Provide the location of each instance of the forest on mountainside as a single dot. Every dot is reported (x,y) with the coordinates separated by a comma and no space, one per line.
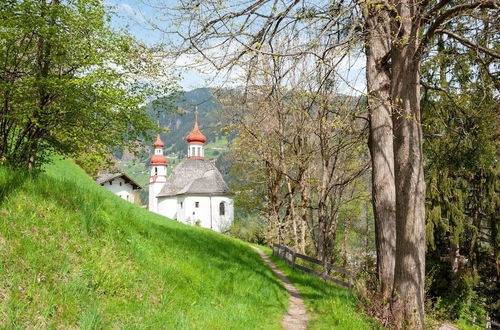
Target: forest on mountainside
(180,121)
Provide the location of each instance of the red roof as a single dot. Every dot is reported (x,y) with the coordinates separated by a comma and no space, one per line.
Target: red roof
(158,143)
(196,135)
(159,160)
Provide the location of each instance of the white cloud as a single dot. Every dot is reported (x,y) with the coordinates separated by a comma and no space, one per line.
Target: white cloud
(130,11)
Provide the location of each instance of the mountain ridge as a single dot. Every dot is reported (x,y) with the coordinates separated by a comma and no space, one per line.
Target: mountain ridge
(180,122)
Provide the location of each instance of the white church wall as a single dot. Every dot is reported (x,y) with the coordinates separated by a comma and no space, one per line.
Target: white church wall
(167,206)
(207,212)
(120,188)
(181,209)
(222,222)
(197,210)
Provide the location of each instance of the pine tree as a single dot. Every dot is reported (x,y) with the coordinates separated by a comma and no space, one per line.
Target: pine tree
(461,148)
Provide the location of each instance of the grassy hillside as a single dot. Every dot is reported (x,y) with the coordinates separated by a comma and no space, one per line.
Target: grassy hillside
(74,255)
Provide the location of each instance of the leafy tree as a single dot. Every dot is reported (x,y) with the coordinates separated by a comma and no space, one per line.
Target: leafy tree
(460,123)
(70,84)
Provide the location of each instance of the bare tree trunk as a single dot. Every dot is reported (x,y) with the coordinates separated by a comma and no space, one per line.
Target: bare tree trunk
(305,196)
(321,249)
(367,231)
(322,216)
(347,224)
(409,176)
(291,206)
(274,232)
(381,146)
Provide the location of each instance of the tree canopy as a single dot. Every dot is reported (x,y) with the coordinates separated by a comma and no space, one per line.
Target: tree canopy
(71,84)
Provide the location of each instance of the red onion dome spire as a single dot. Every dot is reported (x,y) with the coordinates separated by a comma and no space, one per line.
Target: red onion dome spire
(196,136)
(158,158)
(158,143)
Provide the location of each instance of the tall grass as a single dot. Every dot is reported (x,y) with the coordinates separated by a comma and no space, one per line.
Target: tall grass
(74,255)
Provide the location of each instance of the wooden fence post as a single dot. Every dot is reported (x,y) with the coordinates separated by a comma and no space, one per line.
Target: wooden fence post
(325,269)
(290,257)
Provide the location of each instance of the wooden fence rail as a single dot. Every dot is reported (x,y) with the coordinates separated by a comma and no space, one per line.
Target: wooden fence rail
(291,256)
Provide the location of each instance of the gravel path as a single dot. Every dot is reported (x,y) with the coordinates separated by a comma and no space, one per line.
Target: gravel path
(296,317)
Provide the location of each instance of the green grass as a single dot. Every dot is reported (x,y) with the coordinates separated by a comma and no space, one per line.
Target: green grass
(73,255)
(329,306)
(220,142)
(139,172)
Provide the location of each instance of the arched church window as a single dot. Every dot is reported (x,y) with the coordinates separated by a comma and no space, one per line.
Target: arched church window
(222,208)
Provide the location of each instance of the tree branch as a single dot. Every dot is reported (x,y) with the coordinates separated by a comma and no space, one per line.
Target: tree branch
(437,8)
(492,4)
(469,43)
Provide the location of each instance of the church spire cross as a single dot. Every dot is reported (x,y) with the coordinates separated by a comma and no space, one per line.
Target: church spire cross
(196,121)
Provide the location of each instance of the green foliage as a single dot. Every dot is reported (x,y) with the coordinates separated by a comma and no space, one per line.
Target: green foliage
(73,255)
(461,148)
(69,83)
(249,228)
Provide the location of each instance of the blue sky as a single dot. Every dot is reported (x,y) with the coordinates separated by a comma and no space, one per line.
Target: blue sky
(133,15)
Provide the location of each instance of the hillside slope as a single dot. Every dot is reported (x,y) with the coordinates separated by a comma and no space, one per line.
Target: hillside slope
(74,255)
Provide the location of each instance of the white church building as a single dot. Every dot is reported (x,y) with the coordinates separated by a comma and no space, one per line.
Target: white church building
(195,192)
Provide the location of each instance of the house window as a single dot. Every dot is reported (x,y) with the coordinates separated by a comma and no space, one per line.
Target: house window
(120,184)
(181,205)
(222,208)
(111,182)
(156,170)
(196,204)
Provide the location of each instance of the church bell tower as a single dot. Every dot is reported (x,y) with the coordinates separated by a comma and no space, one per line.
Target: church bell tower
(158,174)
